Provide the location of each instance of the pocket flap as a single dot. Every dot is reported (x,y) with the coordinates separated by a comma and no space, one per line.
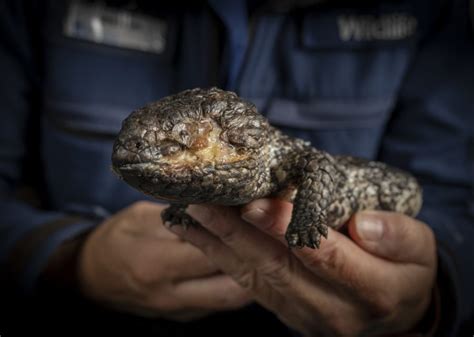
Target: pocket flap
(334,29)
(329,114)
(87,117)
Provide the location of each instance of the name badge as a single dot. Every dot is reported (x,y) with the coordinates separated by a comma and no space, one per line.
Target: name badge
(355,29)
(385,27)
(115,27)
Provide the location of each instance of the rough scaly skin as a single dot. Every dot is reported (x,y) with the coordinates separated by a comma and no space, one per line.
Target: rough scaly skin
(210,146)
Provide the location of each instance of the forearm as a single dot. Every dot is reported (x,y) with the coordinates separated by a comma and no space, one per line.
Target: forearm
(61,270)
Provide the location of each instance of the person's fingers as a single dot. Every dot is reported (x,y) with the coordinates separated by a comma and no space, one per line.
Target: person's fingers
(256,261)
(340,276)
(362,276)
(218,292)
(144,221)
(247,243)
(183,260)
(338,259)
(271,216)
(215,250)
(175,260)
(393,236)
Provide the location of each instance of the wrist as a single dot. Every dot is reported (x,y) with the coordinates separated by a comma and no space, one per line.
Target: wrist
(61,271)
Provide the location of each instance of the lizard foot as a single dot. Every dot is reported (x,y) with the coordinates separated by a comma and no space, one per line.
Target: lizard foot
(299,234)
(176,215)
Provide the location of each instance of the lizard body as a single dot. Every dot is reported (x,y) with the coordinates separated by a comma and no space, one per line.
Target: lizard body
(210,146)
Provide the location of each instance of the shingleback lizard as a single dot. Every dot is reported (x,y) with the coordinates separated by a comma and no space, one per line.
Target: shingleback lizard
(210,146)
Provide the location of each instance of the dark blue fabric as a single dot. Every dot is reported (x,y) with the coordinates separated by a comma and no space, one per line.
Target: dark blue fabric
(432,134)
(405,101)
(234,15)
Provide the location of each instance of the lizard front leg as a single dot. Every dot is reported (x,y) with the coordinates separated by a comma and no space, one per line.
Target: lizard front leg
(317,182)
(176,214)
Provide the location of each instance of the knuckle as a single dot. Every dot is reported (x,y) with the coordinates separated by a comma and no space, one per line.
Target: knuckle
(140,206)
(327,257)
(382,305)
(274,272)
(246,279)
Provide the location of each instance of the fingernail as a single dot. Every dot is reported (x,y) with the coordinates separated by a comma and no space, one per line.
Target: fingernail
(258,217)
(369,227)
(177,229)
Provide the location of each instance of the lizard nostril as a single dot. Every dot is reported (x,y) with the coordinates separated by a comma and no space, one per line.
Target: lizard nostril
(138,145)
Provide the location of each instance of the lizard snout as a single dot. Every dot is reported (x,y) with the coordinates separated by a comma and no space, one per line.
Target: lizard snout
(133,150)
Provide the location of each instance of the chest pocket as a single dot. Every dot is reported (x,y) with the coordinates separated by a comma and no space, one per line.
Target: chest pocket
(92,87)
(88,89)
(340,71)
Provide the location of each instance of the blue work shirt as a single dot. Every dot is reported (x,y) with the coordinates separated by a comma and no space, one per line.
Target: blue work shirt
(385,80)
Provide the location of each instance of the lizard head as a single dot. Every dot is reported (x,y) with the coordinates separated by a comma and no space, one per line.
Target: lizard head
(183,145)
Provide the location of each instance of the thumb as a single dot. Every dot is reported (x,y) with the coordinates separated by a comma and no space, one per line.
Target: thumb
(393,236)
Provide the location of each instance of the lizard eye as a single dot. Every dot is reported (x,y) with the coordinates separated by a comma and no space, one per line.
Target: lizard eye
(249,138)
(184,133)
(135,145)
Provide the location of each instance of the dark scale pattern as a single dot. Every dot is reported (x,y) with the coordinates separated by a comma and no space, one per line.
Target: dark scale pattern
(168,150)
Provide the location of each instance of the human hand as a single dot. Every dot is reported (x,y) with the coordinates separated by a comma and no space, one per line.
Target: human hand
(379,283)
(132,263)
